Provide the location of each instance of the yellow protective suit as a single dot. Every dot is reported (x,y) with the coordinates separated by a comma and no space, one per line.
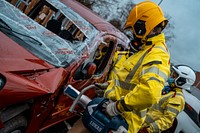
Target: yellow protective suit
(118,60)
(139,81)
(161,116)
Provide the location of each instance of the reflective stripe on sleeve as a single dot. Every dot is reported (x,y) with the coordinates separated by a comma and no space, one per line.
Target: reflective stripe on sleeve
(155,127)
(149,119)
(141,113)
(158,107)
(125,85)
(155,70)
(122,84)
(173,110)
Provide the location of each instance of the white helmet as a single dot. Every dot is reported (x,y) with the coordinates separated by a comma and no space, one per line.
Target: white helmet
(185,76)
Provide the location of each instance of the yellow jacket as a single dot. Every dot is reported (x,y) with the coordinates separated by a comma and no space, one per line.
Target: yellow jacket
(118,60)
(161,116)
(139,81)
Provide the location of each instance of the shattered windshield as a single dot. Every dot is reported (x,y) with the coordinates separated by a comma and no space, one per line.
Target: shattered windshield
(81,23)
(38,40)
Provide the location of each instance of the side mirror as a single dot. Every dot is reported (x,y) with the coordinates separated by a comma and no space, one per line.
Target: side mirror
(85,71)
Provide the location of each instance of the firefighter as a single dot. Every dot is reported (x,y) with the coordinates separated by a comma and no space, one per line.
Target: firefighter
(138,82)
(160,116)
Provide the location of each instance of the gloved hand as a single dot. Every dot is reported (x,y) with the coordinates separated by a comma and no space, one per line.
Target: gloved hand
(111,109)
(99,92)
(143,130)
(101,88)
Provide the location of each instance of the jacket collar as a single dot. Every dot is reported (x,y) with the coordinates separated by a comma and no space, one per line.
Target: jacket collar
(154,40)
(158,38)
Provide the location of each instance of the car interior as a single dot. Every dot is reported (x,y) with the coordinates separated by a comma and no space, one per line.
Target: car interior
(97,64)
(50,17)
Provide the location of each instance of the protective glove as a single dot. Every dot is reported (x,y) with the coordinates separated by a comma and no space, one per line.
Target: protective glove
(111,109)
(99,92)
(100,88)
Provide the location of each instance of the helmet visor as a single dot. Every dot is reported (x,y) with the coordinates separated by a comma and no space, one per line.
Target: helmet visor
(139,28)
(180,81)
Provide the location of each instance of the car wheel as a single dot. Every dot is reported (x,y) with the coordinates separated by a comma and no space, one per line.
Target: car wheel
(15,125)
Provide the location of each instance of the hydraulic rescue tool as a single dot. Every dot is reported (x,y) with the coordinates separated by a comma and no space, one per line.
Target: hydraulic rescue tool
(94,117)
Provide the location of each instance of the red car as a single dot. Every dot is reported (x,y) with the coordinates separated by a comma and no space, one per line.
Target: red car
(46,45)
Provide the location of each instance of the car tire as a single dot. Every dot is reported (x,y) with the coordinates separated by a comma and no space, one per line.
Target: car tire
(15,125)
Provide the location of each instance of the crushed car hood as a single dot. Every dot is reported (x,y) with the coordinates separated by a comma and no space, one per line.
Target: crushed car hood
(15,58)
(26,75)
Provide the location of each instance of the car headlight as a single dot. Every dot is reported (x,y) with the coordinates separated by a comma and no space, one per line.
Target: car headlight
(2,81)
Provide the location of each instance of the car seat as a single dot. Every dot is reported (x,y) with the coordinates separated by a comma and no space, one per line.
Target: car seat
(65,34)
(54,26)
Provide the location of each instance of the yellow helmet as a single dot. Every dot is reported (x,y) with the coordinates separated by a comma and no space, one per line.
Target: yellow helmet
(144,17)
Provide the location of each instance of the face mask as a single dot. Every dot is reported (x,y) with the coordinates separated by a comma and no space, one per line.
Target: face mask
(135,44)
